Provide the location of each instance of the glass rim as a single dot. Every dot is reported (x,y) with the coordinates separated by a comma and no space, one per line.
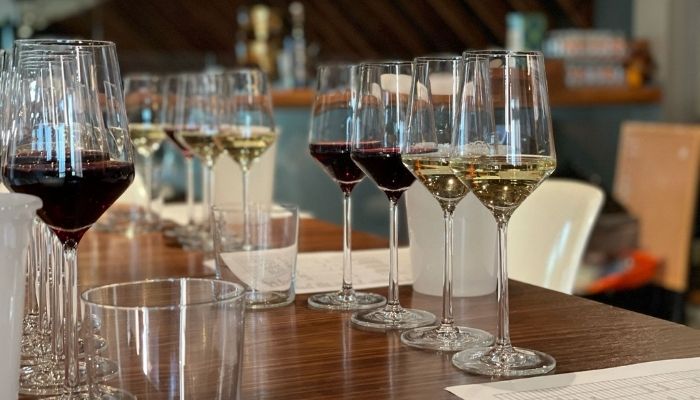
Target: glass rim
(234,206)
(235,295)
(386,63)
(511,53)
(438,58)
(65,42)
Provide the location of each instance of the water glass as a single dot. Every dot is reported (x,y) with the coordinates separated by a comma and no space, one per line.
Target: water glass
(259,251)
(164,339)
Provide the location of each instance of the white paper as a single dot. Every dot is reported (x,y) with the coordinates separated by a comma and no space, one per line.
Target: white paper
(263,270)
(177,212)
(323,271)
(677,379)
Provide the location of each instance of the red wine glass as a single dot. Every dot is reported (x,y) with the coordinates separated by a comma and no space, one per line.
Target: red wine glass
(330,136)
(378,123)
(70,147)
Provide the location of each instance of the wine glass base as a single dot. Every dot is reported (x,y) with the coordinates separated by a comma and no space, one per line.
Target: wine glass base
(344,301)
(261,300)
(446,338)
(45,379)
(392,317)
(504,361)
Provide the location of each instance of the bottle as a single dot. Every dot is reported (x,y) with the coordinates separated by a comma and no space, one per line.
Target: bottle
(296,10)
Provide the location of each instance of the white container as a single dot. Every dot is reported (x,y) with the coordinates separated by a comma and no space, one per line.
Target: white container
(17,211)
(474,250)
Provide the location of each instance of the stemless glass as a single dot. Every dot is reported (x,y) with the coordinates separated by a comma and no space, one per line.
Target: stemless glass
(425,151)
(197,121)
(247,127)
(503,161)
(70,147)
(378,123)
(144,102)
(329,144)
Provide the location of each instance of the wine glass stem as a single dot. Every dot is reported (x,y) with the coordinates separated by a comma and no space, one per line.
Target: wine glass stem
(55,252)
(393,300)
(347,246)
(70,327)
(447,318)
(149,187)
(246,236)
(189,164)
(503,338)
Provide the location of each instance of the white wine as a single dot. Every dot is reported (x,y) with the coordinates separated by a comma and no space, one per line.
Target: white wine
(246,147)
(146,137)
(502,183)
(435,174)
(200,144)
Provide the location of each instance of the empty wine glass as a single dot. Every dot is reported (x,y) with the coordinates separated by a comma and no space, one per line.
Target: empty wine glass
(144,102)
(330,136)
(378,123)
(503,150)
(70,147)
(425,150)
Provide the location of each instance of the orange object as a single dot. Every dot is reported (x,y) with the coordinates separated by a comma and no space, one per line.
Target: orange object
(642,269)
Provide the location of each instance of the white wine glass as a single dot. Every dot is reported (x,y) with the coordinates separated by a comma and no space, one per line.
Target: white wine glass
(330,135)
(197,121)
(144,107)
(378,123)
(426,149)
(503,150)
(247,126)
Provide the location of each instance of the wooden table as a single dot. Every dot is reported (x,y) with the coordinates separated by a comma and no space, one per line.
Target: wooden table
(298,353)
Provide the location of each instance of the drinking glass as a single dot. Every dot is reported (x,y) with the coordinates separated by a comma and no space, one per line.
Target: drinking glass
(330,136)
(144,103)
(165,339)
(69,147)
(425,151)
(198,115)
(169,118)
(266,264)
(378,124)
(247,128)
(504,149)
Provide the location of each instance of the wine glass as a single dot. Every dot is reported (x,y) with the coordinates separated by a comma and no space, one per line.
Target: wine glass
(425,150)
(330,135)
(169,117)
(144,103)
(70,147)
(378,123)
(198,115)
(247,128)
(503,159)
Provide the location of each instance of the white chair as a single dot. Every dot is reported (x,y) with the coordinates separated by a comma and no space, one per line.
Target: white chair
(547,235)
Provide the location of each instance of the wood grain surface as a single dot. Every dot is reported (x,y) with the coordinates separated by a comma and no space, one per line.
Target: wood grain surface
(298,353)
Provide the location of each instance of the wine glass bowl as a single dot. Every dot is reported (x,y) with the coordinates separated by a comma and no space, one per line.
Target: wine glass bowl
(378,124)
(330,134)
(426,149)
(503,149)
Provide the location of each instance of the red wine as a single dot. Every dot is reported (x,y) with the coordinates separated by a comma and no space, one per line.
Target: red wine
(170,131)
(384,166)
(336,161)
(73,199)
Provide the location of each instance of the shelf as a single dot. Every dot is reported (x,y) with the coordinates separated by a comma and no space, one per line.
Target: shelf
(563,97)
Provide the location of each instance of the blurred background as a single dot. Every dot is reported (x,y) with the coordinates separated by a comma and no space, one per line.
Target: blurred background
(609,62)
